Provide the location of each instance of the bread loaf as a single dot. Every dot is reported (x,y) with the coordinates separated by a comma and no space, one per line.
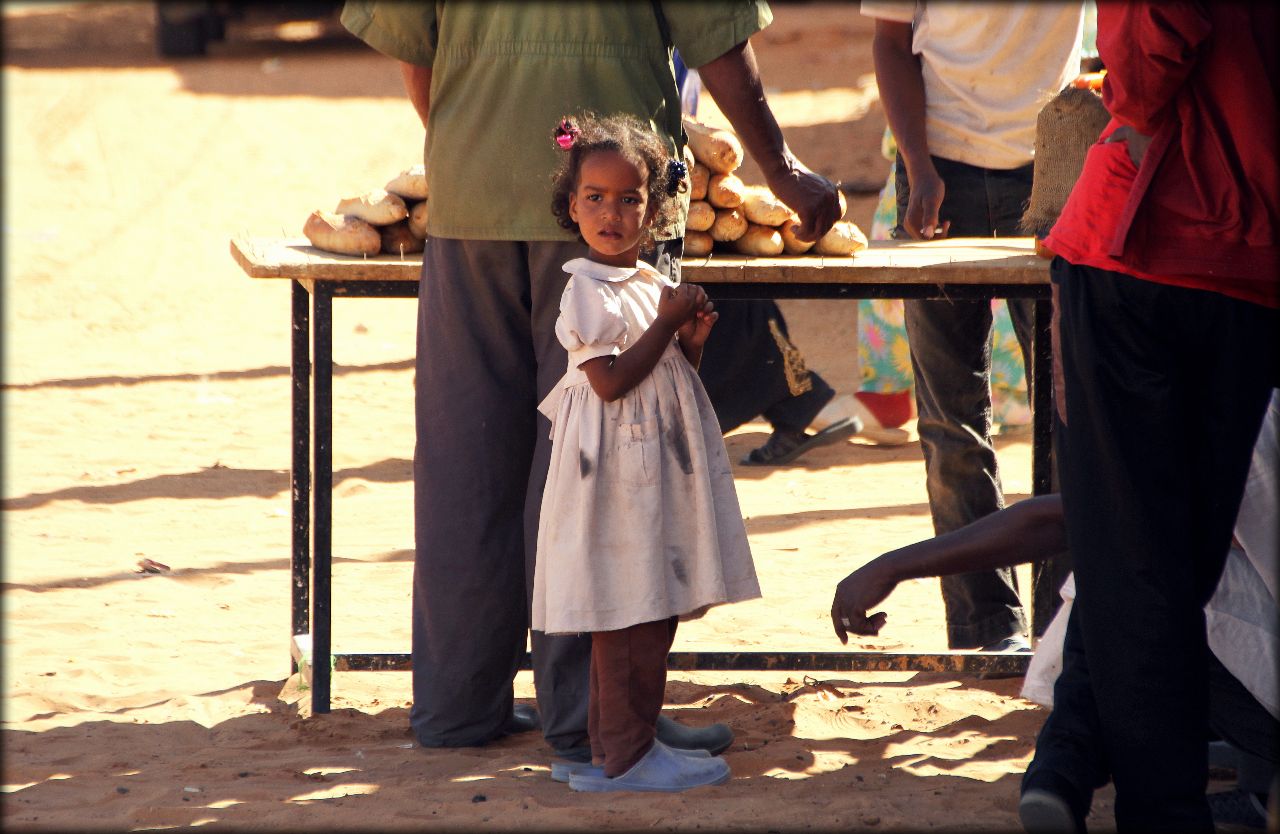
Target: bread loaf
(411,183)
(698,182)
(698,244)
(791,244)
(717,149)
(378,207)
(845,238)
(418,220)
(761,206)
(701,216)
(730,225)
(341,233)
(760,241)
(725,190)
(397,239)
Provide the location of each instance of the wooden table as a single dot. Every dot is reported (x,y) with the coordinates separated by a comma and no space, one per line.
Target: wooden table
(949,269)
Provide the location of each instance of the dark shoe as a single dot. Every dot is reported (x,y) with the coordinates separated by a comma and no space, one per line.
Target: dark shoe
(1238,808)
(785,444)
(715,739)
(1044,812)
(524,718)
(576,755)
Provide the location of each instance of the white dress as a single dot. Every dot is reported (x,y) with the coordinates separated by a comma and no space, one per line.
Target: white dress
(640,518)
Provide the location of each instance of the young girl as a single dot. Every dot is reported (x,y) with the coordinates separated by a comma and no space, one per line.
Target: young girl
(640,522)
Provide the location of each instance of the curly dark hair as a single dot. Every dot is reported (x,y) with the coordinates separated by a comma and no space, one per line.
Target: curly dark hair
(588,133)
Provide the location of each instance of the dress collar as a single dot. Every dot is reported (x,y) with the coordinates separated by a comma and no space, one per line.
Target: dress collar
(612,274)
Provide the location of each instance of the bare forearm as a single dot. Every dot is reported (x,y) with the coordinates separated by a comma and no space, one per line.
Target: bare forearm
(611,377)
(901,83)
(733,80)
(1029,530)
(417,83)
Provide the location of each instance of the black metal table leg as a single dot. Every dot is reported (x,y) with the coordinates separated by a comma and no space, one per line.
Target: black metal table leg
(322,494)
(1044,590)
(300,470)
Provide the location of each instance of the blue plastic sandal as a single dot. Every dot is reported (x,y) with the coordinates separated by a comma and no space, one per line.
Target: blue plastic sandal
(562,771)
(660,770)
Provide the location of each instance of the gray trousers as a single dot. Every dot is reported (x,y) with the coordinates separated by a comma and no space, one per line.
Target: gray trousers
(486,355)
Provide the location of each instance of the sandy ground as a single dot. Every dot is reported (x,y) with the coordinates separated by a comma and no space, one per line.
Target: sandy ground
(146,416)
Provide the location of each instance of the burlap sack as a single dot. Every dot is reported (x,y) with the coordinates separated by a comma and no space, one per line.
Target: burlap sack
(1065,129)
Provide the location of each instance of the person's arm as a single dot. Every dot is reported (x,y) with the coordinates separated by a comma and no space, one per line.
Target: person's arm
(733,80)
(613,376)
(901,82)
(417,83)
(1031,529)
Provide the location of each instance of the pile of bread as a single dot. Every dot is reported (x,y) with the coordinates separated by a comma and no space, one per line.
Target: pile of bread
(727,214)
(724,212)
(390,220)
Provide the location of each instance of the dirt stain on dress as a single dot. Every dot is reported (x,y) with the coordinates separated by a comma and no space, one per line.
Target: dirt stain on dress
(679,446)
(677,566)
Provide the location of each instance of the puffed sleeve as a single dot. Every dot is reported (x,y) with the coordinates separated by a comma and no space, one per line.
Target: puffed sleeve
(591,323)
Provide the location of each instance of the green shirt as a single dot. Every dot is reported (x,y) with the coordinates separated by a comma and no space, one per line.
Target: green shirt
(503,74)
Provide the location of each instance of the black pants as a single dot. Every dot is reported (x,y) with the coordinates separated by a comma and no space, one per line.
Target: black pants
(750,368)
(1070,750)
(951,360)
(1166,388)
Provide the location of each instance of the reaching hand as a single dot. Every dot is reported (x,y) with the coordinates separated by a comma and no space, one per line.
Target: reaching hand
(923,205)
(856,594)
(811,196)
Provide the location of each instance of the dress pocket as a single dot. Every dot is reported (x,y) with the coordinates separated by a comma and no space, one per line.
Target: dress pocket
(636,452)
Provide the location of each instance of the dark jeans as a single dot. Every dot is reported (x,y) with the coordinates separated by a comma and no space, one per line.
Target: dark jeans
(1166,388)
(750,368)
(487,353)
(951,359)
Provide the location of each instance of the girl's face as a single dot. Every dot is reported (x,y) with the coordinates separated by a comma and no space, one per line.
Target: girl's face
(611,207)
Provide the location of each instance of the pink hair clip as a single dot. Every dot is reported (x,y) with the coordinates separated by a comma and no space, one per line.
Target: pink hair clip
(566,134)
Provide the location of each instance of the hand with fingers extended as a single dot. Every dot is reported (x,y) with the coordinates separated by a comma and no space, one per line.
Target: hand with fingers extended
(856,595)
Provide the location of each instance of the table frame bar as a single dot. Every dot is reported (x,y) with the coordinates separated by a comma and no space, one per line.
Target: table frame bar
(311,486)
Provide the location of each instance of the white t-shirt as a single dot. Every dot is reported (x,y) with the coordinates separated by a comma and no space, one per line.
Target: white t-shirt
(988,69)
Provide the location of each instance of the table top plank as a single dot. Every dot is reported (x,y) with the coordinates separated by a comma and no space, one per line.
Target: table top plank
(954,261)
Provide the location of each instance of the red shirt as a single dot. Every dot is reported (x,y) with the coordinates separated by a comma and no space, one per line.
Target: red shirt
(1202,210)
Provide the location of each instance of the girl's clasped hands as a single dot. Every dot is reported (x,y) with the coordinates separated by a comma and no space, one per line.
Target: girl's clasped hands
(688,303)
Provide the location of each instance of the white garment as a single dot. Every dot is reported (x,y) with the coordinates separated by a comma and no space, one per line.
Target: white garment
(988,70)
(1242,617)
(640,519)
